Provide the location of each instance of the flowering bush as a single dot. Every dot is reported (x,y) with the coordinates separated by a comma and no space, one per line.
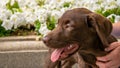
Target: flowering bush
(43,14)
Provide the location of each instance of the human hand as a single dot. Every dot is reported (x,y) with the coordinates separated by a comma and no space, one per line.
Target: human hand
(111,60)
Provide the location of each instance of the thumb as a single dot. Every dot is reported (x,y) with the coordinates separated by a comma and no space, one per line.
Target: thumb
(112,46)
(103,58)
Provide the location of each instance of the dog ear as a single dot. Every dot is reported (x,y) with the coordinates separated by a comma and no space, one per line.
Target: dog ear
(101,25)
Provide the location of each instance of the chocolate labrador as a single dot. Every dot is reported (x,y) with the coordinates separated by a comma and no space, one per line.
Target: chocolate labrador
(80,36)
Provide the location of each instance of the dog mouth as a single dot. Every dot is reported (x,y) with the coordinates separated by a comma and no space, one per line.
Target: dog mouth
(64,52)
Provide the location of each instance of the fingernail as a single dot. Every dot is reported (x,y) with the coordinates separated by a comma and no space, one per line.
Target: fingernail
(106,49)
(98,58)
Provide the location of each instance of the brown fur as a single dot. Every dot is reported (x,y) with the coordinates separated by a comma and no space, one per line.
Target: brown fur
(90,30)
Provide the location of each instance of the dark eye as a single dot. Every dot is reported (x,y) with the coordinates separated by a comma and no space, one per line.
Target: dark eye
(67,24)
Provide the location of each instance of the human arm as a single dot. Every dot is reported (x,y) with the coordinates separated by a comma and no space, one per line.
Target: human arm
(112,60)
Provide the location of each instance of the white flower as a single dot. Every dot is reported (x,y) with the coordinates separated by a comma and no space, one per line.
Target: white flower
(42,14)
(12,2)
(117,18)
(56,14)
(118,2)
(18,19)
(111,15)
(22,3)
(29,3)
(3,3)
(7,24)
(5,14)
(43,30)
(30,17)
(62,10)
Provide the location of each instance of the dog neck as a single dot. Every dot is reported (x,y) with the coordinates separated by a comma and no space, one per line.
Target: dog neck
(94,47)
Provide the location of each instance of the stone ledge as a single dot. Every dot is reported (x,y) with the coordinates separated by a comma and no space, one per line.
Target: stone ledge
(22,52)
(21,43)
(20,38)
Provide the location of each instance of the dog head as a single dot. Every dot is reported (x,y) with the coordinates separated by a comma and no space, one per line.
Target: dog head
(75,29)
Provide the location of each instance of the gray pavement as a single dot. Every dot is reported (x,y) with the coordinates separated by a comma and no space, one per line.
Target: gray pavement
(22,52)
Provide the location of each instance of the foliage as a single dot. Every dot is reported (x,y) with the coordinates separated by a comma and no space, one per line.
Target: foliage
(66,4)
(112,19)
(40,2)
(51,22)
(14,8)
(108,12)
(37,26)
(4,32)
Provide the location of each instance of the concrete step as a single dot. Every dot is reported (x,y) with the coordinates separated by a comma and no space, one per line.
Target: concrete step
(22,52)
(23,59)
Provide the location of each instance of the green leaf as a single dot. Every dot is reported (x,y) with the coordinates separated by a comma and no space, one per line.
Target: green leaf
(108,12)
(14,8)
(1,21)
(40,2)
(51,22)
(66,4)
(17,10)
(112,19)
(118,10)
(4,32)
(100,11)
(8,5)
(37,25)
(15,5)
(99,2)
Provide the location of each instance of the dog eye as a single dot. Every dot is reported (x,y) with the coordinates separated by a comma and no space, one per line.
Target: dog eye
(67,24)
(67,21)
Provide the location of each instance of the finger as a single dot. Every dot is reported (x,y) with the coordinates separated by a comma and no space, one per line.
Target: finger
(105,65)
(111,64)
(101,65)
(112,46)
(103,59)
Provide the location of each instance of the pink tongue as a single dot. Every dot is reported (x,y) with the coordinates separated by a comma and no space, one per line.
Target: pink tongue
(56,54)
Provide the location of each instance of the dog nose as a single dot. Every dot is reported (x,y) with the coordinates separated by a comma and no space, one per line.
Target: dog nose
(45,39)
